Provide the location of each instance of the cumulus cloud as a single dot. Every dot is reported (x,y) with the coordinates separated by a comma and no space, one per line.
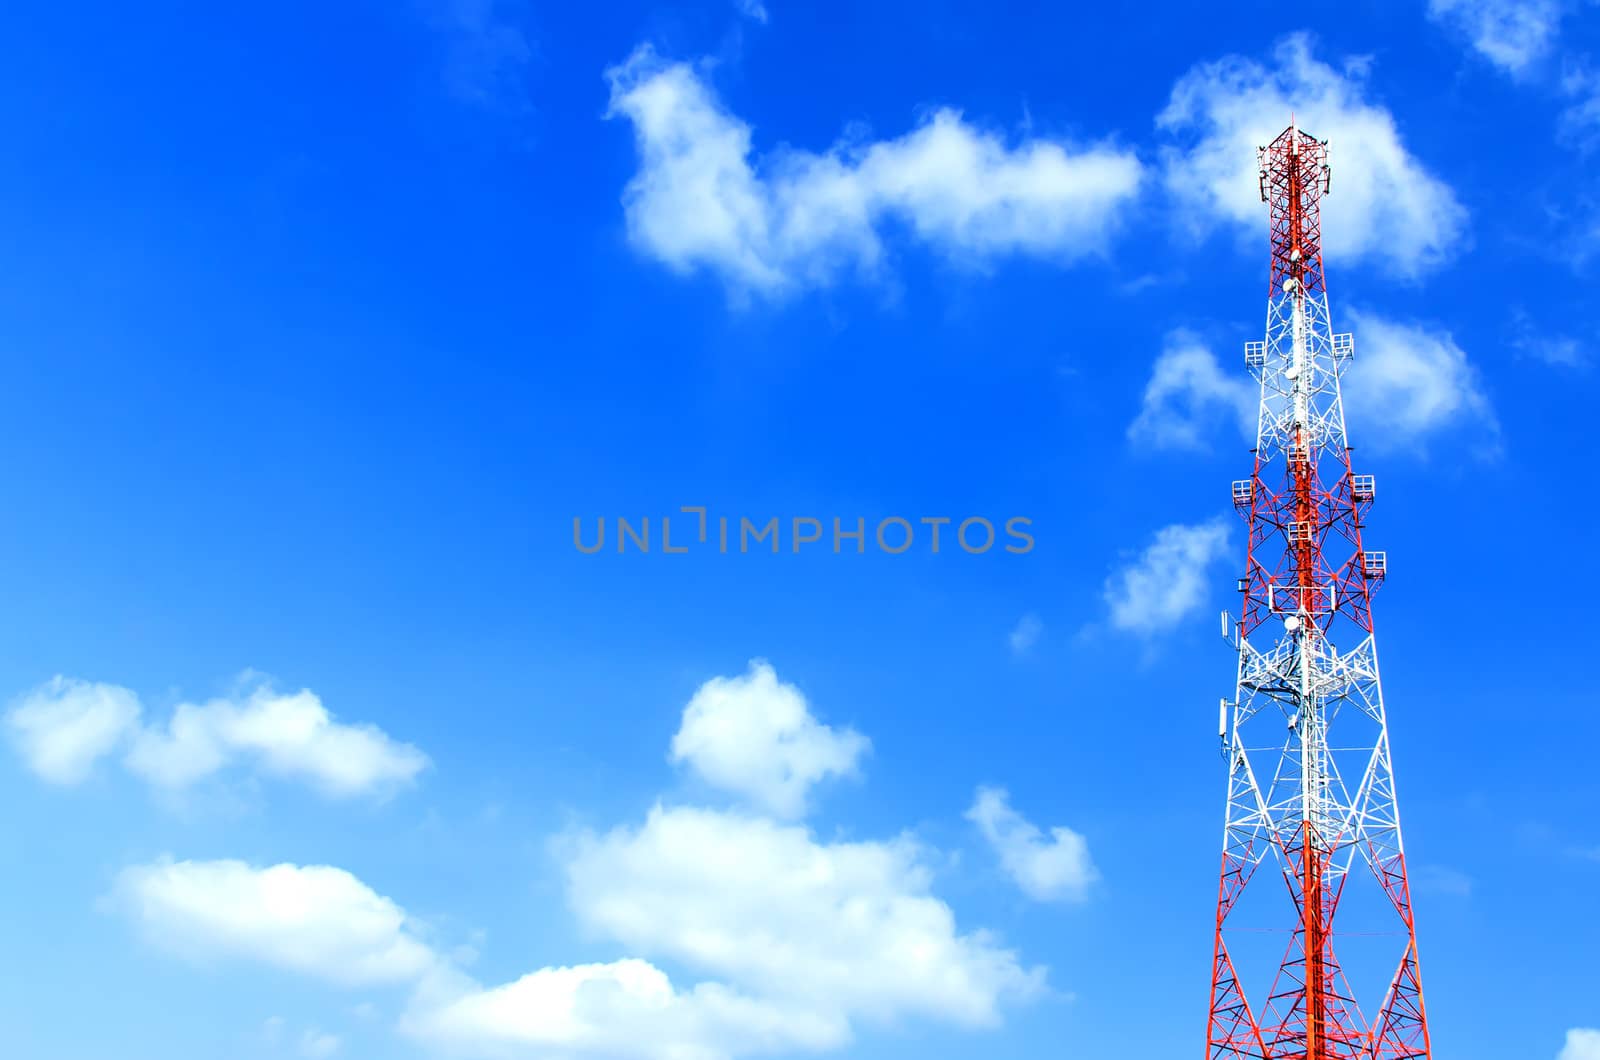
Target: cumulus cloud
(802,938)
(755,736)
(627,1008)
(1512,34)
(1385,206)
(850,928)
(1582,1044)
(323,922)
(64,727)
(793,218)
(1167,581)
(313,919)
(1190,395)
(1409,382)
(1049,868)
(785,942)
(290,735)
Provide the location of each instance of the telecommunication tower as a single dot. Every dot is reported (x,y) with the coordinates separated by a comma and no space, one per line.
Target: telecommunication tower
(1310,783)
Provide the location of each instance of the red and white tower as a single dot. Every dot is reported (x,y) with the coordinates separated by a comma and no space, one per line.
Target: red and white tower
(1310,784)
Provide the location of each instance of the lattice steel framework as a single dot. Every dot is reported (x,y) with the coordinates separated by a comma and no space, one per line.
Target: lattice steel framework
(1319,802)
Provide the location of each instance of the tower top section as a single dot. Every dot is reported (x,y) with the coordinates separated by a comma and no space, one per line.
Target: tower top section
(1294,178)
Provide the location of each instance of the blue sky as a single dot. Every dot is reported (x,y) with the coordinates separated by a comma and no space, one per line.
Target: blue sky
(322,324)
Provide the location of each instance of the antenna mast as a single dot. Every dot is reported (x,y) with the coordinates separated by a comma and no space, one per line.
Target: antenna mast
(1323,813)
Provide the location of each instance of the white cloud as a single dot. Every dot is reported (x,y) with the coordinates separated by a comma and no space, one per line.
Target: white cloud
(1025,635)
(324,922)
(285,734)
(754,735)
(1385,206)
(1409,382)
(788,941)
(1167,582)
(794,218)
(849,928)
(628,1008)
(314,919)
(801,939)
(753,9)
(63,727)
(319,1044)
(1189,395)
(1582,1044)
(1580,121)
(1511,34)
(1560,350)
(486,54)
(1047,868)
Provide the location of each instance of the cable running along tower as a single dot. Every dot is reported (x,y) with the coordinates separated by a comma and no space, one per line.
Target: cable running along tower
(1310,784)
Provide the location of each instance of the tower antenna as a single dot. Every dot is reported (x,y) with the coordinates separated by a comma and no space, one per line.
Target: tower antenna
(1321,811)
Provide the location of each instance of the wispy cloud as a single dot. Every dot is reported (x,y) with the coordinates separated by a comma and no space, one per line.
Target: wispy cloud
(1025,634)
(1441,879)
(312,1042)
(752,9)
(486,54)
(1047,868)
(1580,121)
(1409,383)
(1190,396)
(1166,582)
(318,1044)
(1514,35)
(1563,351)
